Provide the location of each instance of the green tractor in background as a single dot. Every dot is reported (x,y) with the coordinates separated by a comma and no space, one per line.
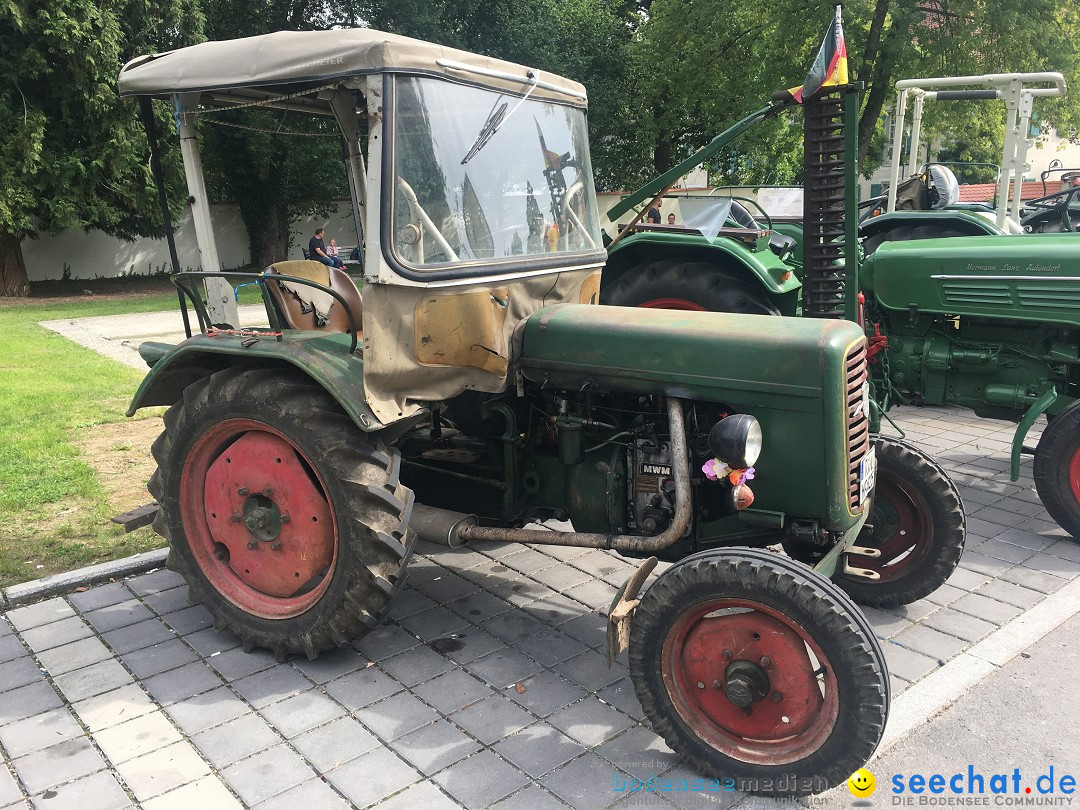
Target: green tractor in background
(477,388)
(991,322)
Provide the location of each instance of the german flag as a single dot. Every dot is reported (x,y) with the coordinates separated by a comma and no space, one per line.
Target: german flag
(830,65)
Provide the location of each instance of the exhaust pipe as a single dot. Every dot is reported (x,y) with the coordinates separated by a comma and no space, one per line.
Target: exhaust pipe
(440,526)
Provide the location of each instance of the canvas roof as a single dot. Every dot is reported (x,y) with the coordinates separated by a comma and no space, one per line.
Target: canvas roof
(284,60)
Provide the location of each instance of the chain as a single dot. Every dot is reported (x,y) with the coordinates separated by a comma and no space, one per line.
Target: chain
(272,100)
(272,131)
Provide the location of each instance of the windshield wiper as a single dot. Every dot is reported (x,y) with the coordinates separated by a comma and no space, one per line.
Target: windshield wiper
(496,118)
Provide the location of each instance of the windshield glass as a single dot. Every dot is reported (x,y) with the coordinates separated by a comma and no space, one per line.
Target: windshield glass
(481,175)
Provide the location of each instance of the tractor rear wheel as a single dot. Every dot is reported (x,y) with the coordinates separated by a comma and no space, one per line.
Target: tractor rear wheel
(908,233)
(287,522)
(755,668)
(917,521)
(1057,469)
(687,285)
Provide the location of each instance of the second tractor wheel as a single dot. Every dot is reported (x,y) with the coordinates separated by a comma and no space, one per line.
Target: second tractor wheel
(688,285)
(916,522)
(1057,469)
(288,523)
(756,669)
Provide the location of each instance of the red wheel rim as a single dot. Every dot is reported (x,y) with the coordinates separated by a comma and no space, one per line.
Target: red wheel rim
(673,303)
(1074,474)
(795,714)
(903,529)
(240,472)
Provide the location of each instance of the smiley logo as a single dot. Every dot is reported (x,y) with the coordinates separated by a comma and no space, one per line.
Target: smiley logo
(862,783)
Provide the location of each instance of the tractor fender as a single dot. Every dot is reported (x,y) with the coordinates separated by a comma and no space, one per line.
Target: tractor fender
(760,267)
(325,359)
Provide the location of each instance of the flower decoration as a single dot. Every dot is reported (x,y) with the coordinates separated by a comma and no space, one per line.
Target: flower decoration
(737,477)
(715,469)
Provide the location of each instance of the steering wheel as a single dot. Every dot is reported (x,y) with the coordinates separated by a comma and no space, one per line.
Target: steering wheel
(412,234)
(1063,210)
(744,218)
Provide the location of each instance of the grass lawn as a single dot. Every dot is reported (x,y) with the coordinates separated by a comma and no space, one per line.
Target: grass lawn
(54,511)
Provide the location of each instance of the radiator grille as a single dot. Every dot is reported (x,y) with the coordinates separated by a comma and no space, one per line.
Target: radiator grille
(858,426)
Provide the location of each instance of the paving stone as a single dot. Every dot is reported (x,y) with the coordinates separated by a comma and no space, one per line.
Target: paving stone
(34,698)
(479,606)
(137,636)
(959,624)
(9,789)
(453,690)
(100,596)
(976,604)
(183,682)
(448,586)
(95,679)
(514,626)
(1005,551)
(433,747)
(1012,594)
(425,795)
(373,776)
(384,641)
(313,793)
(492,718)
(236,739)
(942,596)
(1050,564)
(113,707)
(906,663)
(362,688)
(503,667)
(299,713)
(982,564)
(267,774)
(590,722)
(330,745)
(434,623)
(533,797)
(99,791)
(1066,549)
(546,692)
(466,646)
(396,716)
(595,594)
(236,663)
(639,752)
(56,634)
(481,780)
(208,792)
(551,646)
(966,579)
(119,615)
(10,647)
(210,641)
(168,601)
(57,764)
(20,672)
(589,628)
(561,576)
(39,731)
(538,749)
(555,610)
(190,620)
(930,642)
(74,656)
(159,658)
(51,610)
(416,665)
(155,582)
(591,670)
(206,710)
(885,624)
(622,696)
(270,685)
(686,788)
(585,783)
(137,737)
(1035,580)
(331,664)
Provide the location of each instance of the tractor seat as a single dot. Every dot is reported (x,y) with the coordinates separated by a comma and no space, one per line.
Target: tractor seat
(302,306)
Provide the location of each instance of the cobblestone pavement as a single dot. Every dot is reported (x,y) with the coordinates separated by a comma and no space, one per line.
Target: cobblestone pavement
(487,686)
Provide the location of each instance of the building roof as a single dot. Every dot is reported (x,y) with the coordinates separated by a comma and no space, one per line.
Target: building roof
(984,192)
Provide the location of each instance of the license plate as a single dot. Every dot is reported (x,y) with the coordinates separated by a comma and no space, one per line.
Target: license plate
(867,474)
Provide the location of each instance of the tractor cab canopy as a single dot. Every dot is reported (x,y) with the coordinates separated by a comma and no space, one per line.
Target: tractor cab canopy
(470,178)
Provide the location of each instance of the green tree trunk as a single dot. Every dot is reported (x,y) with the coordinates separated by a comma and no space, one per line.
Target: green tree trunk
(13,279)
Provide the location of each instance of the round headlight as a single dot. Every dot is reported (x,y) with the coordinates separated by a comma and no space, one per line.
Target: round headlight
(736,440)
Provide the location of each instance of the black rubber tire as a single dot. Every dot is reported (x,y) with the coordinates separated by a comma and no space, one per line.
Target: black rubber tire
(710,287)
(907,233)
(1055,454)
(371,507)
(821,609)
(930,491)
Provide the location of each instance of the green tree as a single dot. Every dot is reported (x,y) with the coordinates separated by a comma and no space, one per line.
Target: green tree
(72,153)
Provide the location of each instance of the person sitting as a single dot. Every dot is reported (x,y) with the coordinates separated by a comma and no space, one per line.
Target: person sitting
(317,250)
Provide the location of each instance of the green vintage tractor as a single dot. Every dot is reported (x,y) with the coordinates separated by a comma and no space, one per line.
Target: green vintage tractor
(477,388)
(991,322)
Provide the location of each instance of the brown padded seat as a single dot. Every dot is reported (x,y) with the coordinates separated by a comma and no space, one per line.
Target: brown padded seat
(292,308)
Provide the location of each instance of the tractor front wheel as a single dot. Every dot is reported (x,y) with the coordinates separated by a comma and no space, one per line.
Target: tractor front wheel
(758,670)
(1057,469)
(916,522)
(286,521)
